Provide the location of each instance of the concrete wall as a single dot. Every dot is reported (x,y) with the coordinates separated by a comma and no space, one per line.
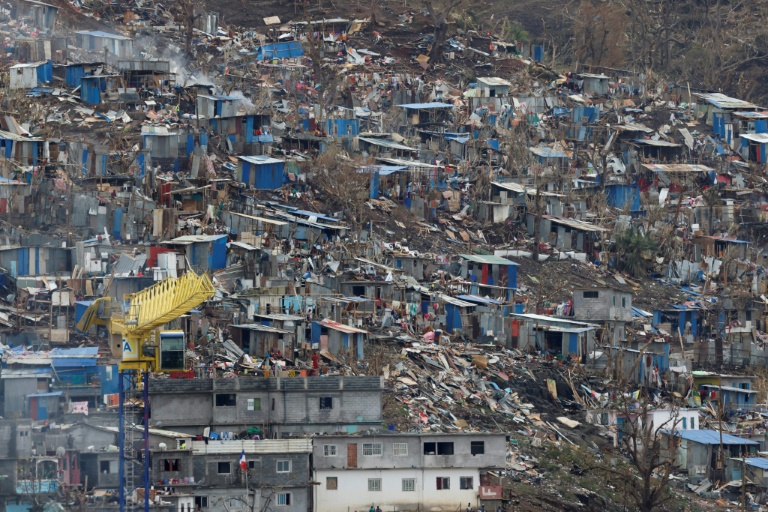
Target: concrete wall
(607,305)
(285,405)
(353,489)
(232,499)
(15,393)
(494,451)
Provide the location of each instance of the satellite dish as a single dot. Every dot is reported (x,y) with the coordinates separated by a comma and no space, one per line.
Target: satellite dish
(60,451)
(162,446)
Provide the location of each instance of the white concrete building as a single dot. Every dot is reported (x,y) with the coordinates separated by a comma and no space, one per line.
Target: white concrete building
(405,471)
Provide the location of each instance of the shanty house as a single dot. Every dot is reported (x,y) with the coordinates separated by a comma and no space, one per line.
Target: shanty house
(335,337)
(596,85)
(19,382)
(719,105)
(205,253)
(555,336)
(696,450)
(425,114)
(258,339)
(97,41)
(73,73)
(25,150)
(34,261)
(676,317)
(31,75)
(489,269)
(40,15)
(210,106)
(95,89)
(261,172)
(753,147)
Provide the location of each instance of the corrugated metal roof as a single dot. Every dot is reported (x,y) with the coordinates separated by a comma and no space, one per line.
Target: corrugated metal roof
(128,263)
(425,106)
(712,437)
(336,326)
(261,160)
(545,318)
(546,152)
(43,395)
(751,115)
(575,224)
(757,462)
(386,144)
(730,388)
(29,65)
(487,259)
(677,168)
(101,33)
(493,80)
(262,328)
(456,302)
(657,143)
(481,300)
(762,138)
(191,239)
(723,101)
(25,373)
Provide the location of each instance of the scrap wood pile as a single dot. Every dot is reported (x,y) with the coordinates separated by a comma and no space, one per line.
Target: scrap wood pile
(456,387)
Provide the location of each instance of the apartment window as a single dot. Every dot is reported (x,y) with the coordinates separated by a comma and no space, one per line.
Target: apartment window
(226,400)
(438,448)
(171,465)
(372,449)
(105,467)
(201,502)
(409,484)
(252,464)
(400,449)
(254,404)
(685,423)
(283,466)
(465,482)
(614,300)
(283,499)
(590,294)
(332,483)
(443,483)
(329,450)
(477,447)
(374,484)
(326,403)
(224,468)
(623,302)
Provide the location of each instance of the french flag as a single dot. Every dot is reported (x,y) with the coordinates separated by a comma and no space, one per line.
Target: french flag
(243,465)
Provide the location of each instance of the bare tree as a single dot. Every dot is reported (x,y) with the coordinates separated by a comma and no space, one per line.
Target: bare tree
(188,12)
(439,11)
(649,447)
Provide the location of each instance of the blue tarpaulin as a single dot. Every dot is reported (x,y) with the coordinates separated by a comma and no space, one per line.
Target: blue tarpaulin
(287,50)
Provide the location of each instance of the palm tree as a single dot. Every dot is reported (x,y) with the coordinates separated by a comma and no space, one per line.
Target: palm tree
(631,248)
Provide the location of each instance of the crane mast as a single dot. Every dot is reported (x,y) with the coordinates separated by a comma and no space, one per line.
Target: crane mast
(133,326)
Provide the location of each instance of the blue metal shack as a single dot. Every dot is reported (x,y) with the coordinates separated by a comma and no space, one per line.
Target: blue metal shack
(261,172)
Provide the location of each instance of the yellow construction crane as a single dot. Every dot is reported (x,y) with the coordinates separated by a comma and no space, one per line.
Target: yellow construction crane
(132,323)
(141,349)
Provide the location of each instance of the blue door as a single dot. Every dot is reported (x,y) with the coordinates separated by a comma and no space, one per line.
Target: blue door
(573,343)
